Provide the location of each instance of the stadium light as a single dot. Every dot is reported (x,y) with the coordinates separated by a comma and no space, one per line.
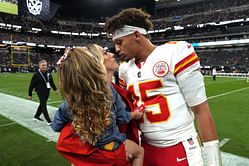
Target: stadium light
(83,34)
(54,46)
(6,42)
(17,26)
(54,32)
(95,34)
(31,44)
(178,28)
(36,29)
(65,33)
(162,30)
(221,43)
(75,34)
(41,45)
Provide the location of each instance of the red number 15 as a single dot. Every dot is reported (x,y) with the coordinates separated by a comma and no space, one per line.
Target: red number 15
(158,100)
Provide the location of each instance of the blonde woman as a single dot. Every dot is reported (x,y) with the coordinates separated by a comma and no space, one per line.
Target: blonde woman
(96,106)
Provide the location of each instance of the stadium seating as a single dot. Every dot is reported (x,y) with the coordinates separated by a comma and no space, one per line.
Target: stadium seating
(81,31)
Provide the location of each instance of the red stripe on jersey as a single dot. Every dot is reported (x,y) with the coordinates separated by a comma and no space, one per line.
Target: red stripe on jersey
(185,63)
(172,42)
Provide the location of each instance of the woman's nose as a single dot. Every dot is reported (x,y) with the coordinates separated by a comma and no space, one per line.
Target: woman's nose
(112,55)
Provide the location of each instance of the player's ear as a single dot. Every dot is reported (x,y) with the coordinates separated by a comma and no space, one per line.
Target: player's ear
(137,35)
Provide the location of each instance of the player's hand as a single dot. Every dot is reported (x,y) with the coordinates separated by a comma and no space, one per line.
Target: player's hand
(30,97)
(56,92)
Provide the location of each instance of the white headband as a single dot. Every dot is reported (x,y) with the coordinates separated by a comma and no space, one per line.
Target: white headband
(127,30)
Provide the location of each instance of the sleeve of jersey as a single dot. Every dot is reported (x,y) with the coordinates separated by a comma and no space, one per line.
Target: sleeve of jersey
(122,75)
(188,75)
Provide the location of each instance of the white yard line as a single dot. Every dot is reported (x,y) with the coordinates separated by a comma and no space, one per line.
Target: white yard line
(224,141)
(52,102)
(227,93)
(7,124)
(22,111)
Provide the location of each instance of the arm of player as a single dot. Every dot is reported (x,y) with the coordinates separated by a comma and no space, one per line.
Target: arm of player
(191,83)
(208,133)
(205,122)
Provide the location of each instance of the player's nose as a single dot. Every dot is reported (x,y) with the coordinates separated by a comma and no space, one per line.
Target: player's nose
(117,48)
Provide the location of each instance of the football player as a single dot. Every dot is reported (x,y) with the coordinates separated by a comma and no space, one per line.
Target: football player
(166,79)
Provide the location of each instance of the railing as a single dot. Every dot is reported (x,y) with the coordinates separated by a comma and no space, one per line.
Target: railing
(232,74)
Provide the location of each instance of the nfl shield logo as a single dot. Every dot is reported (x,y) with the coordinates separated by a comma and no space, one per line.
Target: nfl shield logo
(190,141)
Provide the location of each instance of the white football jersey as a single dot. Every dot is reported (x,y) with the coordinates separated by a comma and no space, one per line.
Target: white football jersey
(168,83)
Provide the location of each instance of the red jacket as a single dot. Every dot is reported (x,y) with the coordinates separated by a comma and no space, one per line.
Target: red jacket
(74,150)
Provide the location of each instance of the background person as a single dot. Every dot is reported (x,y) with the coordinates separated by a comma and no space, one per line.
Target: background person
(42,81)
(167,80)
(214,73)
(248,76)
(95,109)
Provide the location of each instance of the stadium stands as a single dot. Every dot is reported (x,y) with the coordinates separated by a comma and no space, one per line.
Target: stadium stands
(193,21)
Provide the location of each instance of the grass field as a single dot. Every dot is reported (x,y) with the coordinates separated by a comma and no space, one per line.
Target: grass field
(228,100)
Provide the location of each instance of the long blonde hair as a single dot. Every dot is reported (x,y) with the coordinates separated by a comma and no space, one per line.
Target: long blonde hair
(83,83)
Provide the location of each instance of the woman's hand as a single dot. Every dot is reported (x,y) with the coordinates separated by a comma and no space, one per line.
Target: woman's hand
(137,113)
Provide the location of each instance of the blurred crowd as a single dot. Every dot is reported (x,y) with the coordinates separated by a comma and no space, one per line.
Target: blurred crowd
(28,61)
(191,15)
(229,59)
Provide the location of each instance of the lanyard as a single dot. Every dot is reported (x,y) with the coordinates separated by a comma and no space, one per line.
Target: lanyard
(43,76)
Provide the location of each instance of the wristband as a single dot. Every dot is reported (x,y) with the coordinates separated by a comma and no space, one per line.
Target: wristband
(213,153)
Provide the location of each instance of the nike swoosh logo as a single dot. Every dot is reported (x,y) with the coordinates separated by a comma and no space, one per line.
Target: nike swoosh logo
(181,159)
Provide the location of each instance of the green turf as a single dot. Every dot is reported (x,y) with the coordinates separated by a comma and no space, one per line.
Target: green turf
(231,112)
(20,146)
(23,147)
(18,84)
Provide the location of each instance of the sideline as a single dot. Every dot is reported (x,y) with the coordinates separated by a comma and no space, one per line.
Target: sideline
(21,111)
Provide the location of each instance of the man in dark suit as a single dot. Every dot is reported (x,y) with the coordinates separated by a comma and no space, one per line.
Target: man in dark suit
(42,81)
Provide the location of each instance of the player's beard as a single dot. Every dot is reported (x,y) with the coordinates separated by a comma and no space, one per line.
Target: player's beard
(126,58)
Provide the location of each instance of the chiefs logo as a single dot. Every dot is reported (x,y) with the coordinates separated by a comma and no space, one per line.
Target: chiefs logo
(160,69)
